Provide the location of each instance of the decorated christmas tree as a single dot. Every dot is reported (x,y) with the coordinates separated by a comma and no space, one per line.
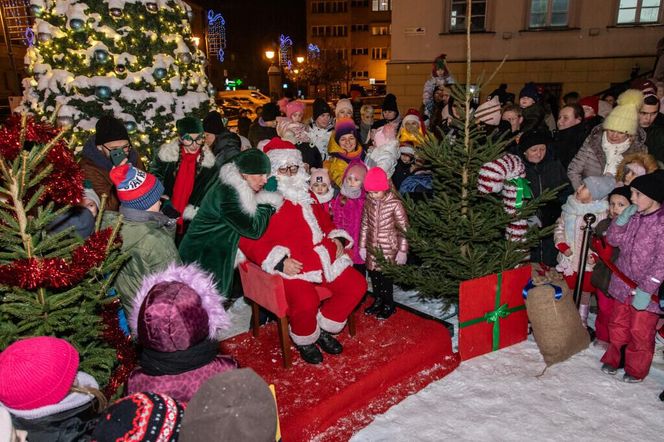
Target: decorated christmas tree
(52,283)
(466,230)
(134,59)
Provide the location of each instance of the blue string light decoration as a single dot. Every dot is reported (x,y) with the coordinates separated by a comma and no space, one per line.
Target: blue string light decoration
(29,37)
(313,51)
(216,36)
(285,51)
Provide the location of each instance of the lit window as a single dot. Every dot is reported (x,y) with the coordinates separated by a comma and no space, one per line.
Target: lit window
(638,11)
(458,15)
(381,5)
(548,13)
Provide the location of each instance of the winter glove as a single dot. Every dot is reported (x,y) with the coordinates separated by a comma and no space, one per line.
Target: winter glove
(641,299)
(401,258)
(363,254)
(624,217)
(168,210)
(271,185)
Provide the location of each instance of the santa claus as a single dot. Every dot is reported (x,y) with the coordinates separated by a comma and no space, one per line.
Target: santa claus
(302,245)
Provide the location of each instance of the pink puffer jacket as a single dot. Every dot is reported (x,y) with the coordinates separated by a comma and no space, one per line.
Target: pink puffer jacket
(383,222)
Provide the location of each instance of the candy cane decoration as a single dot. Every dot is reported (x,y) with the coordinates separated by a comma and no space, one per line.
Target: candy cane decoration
(496,176)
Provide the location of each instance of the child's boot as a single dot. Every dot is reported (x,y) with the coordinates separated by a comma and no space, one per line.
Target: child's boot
(388,307)
(375,306)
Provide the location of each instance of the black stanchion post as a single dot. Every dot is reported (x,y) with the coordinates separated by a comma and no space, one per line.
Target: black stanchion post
(589,219)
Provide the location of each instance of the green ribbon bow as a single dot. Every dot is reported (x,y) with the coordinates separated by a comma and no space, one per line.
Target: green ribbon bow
(523,190)
(494,316)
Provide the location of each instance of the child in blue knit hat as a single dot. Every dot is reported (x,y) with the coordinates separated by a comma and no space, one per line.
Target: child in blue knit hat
(148,235)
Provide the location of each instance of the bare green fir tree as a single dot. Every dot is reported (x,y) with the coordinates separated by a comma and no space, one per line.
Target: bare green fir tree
(459,233)
(52,284)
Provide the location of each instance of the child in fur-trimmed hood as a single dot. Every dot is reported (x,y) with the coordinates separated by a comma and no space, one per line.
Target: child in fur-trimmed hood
(177,319)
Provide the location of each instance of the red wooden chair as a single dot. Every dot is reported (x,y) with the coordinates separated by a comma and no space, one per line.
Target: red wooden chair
(266,290)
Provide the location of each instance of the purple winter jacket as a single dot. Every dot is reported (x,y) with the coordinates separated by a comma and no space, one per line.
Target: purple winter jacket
(641,243)
(347,215)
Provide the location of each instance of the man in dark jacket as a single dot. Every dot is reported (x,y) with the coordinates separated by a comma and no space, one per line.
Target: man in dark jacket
(571,134)
(110,134)
(544,172)
(264,127)
(654,132)
(223,143)
(244,123)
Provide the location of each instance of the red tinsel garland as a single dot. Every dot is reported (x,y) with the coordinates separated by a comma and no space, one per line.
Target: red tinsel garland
(58,272)
(64,185)
(124,348)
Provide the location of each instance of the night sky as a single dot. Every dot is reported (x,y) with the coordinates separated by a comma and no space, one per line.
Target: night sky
(252,26)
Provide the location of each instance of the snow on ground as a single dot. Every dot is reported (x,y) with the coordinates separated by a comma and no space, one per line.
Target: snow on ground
(501,397)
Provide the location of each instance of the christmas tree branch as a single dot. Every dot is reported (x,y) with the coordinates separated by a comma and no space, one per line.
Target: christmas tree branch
(39,156)
(24,128)
(100,213)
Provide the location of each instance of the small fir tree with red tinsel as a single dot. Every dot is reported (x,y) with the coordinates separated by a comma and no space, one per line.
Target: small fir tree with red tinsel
(51,284)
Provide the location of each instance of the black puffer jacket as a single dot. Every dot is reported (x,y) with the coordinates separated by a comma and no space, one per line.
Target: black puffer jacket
(567,142)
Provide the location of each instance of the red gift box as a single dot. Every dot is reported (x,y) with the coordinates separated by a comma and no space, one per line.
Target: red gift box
(492,313)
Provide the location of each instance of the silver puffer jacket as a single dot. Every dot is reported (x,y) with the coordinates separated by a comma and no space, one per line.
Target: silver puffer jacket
(383,222)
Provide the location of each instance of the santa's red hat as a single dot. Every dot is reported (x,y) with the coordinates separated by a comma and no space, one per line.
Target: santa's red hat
(282,153)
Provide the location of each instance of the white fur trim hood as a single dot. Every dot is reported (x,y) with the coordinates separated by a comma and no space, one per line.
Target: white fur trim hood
(170,153)
(249,200)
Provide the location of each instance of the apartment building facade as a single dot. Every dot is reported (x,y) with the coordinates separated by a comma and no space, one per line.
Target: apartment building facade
(566,45)
(355,32)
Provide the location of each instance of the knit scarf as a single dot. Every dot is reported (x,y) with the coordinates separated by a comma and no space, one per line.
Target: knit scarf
(614,154)
(156,363)
(184,181)
(574,209)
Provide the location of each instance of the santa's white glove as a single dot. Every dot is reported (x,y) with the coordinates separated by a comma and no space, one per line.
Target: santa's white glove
(363,254)
(401,258)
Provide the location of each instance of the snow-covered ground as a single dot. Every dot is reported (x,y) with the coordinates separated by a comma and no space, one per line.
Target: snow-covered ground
(501,397)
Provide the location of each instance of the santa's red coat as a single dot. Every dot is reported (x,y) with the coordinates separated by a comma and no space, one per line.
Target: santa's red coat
(304,232)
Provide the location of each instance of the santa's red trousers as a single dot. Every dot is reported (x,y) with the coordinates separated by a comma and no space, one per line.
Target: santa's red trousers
(303,304)
(604,312)
(636,330)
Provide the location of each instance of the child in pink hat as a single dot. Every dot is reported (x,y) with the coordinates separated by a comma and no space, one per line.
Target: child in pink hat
(347,207)
(44,391)
(291,127)
(384,222)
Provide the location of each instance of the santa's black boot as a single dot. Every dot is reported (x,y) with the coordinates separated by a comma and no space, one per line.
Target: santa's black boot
(329,343)
(310,353)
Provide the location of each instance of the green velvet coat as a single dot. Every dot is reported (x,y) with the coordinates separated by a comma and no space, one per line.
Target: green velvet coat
(165,166)
(229,210)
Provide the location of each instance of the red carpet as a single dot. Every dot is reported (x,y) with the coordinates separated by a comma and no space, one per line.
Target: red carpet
(381,365)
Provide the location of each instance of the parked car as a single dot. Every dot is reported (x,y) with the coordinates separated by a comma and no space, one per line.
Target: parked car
(231,108)
(246,98)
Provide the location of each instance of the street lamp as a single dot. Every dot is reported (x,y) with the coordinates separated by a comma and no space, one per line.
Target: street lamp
(300,59)
(273,75)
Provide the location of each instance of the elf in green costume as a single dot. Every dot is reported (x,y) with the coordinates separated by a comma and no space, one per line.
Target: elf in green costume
(186,166)
(235,205)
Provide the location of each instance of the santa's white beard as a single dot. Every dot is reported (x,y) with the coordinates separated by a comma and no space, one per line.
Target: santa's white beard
(295,188)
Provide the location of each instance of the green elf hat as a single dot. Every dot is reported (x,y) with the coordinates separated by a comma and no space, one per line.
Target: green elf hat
(252,162)
(189,125)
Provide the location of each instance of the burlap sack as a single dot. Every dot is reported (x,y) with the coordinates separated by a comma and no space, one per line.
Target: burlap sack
(556,324)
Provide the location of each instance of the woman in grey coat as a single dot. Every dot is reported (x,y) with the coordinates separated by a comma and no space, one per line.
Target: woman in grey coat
(607,143)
